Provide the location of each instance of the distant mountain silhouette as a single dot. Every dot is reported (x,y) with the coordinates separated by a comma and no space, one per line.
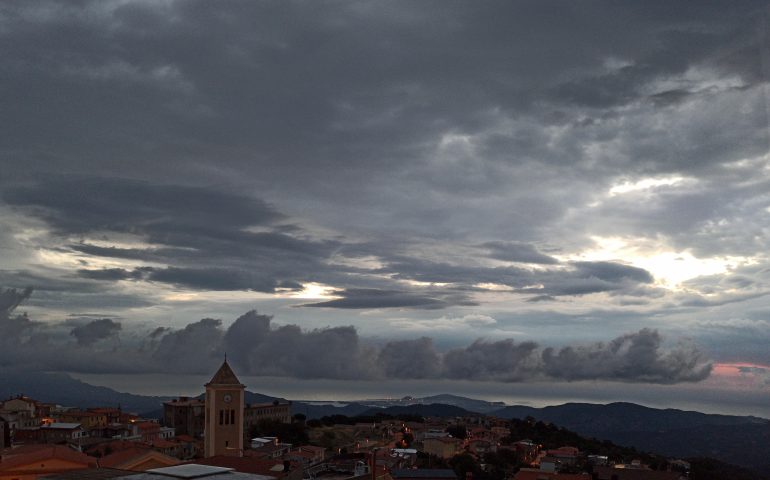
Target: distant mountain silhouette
(470,404)
(740,440)
(590,419)
(313,410)
(62,389)
(430,410)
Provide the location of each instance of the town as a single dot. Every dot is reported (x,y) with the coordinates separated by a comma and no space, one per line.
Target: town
(219,435)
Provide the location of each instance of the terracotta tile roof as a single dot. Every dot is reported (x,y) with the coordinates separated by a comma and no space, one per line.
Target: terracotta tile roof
(37,453)
(125,457)
(225,376)
(122,456)
(163,443)
(115,446)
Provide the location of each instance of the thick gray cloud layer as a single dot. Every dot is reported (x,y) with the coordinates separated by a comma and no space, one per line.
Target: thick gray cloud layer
(581,163)
(256,347)
(95,330)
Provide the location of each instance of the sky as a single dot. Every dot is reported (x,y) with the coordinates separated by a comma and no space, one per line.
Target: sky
(511,192)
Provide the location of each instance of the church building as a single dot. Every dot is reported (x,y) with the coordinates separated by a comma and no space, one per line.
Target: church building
(224,414)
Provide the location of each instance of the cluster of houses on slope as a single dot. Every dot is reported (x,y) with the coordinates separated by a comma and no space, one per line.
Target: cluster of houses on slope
(40,439)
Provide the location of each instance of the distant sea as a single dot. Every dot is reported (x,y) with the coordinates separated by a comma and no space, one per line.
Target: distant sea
(706,397)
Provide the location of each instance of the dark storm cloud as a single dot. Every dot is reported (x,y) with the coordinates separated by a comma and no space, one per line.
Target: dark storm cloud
(215,279)
(257,347)
(222,77)
(195,348)
(206,251)
(84,205)
(158,332)
(12,327)
(362,298)
(260,349)
(109,274)
(612,272)
(396,152)
(11,298)
(410,359)
(632,357)
(38,346)
(96,330)
(578,278)
(185,227)
(518,252)
(503,360)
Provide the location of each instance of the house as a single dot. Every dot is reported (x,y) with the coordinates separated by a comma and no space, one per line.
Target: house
(52,433)
(257,412)
(444,447)
(31,462)
(479,446)
(22,405)
(186,415)
(148,431)
(88,420)
(271,451)
(113,415)
(565,455)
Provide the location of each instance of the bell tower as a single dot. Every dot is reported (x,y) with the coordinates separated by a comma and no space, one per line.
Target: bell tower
(224,414)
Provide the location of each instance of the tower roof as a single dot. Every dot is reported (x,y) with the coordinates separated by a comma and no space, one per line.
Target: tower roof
(225,376)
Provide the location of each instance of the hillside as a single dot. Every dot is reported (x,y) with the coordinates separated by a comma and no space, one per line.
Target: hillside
(62,389)
(734,439)
(431,410)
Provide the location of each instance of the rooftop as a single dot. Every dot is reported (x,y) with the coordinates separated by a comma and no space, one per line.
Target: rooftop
(423,473)
(225,376)
(61,426)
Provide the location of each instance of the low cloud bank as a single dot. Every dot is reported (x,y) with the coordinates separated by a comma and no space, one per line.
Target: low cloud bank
(256,347)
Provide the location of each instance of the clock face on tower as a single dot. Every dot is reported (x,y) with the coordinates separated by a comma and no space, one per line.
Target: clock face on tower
(227,398)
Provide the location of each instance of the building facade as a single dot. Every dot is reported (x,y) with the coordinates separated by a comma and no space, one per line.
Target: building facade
(186,415)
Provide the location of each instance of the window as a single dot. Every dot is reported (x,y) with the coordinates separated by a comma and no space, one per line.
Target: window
(221,417)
